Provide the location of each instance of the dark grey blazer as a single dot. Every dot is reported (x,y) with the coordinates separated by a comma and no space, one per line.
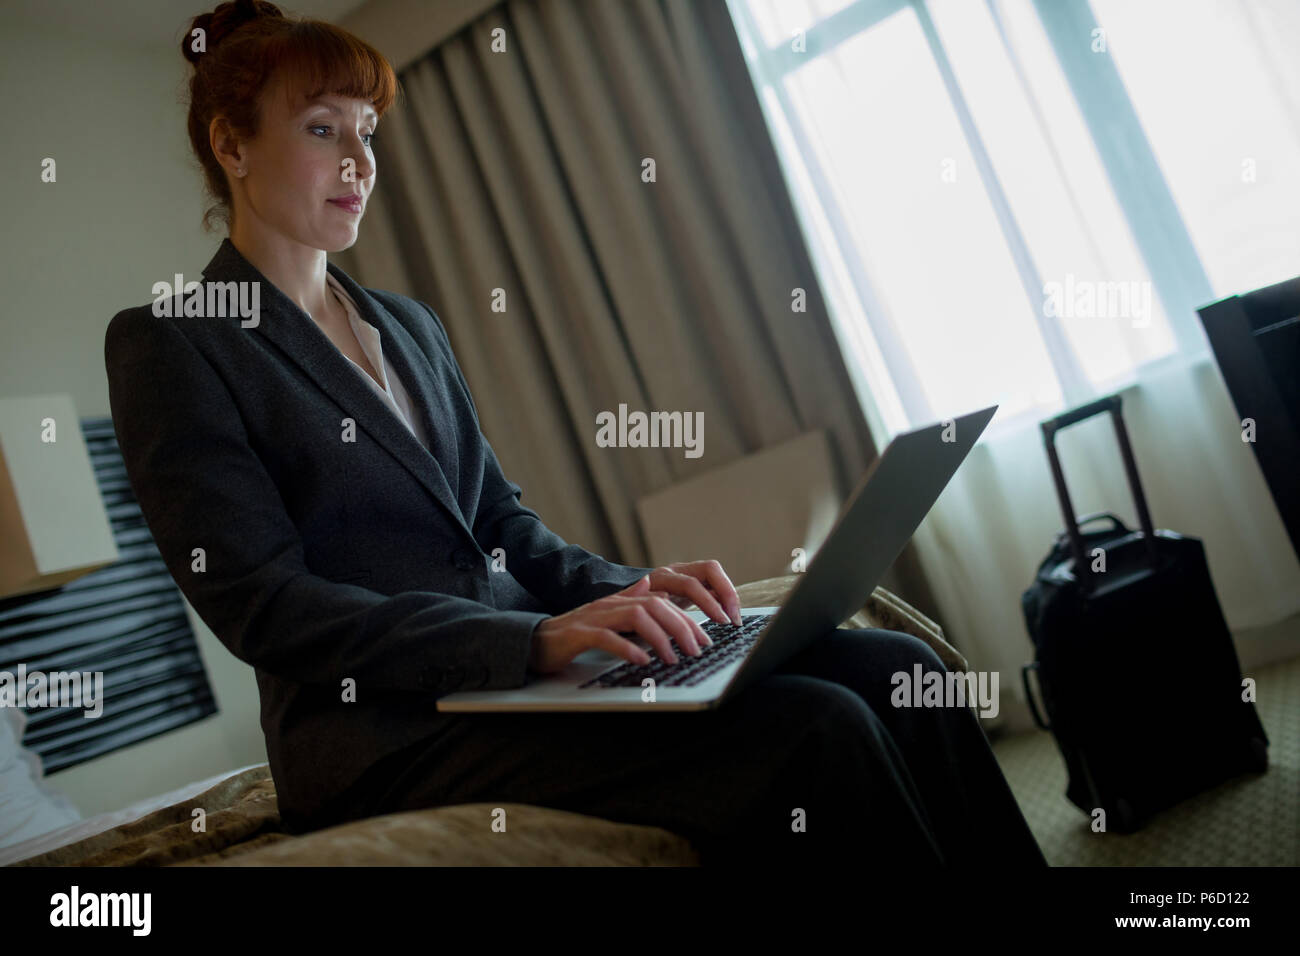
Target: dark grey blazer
(325,561)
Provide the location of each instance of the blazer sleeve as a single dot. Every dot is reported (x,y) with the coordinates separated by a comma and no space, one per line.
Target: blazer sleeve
(560,574)
(202,486)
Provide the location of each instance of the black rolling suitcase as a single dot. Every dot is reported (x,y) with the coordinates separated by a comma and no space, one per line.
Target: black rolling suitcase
(1135,663)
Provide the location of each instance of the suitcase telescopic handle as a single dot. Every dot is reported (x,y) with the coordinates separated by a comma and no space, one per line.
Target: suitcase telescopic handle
(1110,403)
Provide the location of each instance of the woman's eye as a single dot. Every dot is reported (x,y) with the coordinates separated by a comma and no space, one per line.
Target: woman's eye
(368,137)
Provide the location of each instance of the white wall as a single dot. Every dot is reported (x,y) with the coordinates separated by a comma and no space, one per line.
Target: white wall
(124,214)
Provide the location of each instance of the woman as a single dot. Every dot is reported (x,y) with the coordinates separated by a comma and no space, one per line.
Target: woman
(328,504)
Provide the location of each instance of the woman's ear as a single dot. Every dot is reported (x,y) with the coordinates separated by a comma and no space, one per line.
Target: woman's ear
(230,152)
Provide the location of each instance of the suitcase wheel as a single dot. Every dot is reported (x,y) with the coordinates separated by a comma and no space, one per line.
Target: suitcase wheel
(1125,818)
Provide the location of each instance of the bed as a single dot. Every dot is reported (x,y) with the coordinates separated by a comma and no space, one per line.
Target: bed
(241,822)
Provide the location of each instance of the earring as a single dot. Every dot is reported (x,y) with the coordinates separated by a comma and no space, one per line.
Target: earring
(239,172)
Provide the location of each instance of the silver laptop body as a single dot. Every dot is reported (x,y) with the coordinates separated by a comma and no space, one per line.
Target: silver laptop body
(879,518)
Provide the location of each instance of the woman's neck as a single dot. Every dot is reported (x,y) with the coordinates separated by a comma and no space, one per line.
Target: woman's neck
(296,270)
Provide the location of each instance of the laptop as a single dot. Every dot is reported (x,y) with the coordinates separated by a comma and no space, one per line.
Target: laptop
(893,497)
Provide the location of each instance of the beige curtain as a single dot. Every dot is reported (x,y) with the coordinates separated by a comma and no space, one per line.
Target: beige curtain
(515,178)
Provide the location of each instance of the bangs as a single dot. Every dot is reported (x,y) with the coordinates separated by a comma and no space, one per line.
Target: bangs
(315,59)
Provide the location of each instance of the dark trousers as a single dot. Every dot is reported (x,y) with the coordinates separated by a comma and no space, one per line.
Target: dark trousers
(911,786)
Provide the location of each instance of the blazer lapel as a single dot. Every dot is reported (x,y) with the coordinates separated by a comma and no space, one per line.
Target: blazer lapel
(412,367)
(294,332)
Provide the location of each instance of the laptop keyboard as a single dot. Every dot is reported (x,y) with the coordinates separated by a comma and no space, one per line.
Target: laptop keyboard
(730,642)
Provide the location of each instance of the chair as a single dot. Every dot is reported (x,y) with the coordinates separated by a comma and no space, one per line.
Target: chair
(749,514)
(1256,341)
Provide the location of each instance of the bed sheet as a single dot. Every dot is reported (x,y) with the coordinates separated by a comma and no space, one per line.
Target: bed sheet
(106,821)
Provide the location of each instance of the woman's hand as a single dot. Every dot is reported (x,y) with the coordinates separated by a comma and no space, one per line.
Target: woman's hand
(701,583)
(647,611)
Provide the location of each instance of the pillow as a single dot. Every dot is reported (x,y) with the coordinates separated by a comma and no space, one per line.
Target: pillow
(883,609)
(28,807)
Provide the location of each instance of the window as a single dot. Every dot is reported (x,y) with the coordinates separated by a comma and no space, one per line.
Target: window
(1024,202)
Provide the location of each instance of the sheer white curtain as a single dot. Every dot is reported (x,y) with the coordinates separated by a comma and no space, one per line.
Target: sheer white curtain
(1023,202)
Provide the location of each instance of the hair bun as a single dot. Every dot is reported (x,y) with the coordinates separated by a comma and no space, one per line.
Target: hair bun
(223,21)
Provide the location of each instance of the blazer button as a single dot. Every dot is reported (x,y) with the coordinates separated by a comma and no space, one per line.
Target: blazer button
(463,560)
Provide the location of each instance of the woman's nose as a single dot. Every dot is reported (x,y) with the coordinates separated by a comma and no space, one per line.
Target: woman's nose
(364,166)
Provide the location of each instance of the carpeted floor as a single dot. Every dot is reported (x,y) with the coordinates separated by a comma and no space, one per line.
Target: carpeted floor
(1251,820)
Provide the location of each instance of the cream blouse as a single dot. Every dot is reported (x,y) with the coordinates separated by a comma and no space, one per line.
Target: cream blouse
(392,392)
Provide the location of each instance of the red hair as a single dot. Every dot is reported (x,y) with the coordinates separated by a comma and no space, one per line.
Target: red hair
(249,44)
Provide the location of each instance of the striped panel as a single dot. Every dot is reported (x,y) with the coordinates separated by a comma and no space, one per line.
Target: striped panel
(126,620)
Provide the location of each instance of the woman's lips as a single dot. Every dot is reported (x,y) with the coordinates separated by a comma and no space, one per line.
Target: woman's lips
(352,204)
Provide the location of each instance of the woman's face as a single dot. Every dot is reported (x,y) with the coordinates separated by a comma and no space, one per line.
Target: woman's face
(307,160)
